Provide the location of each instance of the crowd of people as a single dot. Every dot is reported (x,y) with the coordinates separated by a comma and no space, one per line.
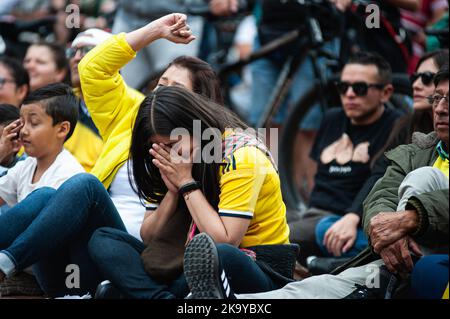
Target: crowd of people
(172,195)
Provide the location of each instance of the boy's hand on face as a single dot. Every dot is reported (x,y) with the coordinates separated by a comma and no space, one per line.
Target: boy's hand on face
(9,140)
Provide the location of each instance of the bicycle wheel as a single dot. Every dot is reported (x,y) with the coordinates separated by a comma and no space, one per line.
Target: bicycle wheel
(291,195)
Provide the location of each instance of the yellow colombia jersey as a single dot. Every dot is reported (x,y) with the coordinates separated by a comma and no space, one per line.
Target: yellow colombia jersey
(250,188)
(442,165)
(85,145)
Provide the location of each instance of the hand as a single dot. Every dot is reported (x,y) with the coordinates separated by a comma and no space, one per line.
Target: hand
(176,168)
(9,142)
(170,186)
(223,7)
(397,256)
(174,27)
(340,237)
(341,5)
(388,227)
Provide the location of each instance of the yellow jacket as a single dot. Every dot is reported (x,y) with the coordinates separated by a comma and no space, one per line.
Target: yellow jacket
(112,104)
(85,145)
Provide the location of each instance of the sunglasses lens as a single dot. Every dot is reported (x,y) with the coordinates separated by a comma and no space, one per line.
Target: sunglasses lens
(360,88)
(70,53)
(86,49)
(427,78)
(342,87)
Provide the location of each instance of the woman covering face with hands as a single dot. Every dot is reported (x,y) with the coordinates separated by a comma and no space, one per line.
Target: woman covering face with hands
(214,171)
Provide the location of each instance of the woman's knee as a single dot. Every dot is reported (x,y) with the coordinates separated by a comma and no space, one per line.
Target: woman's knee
(42,193)
(225,251)
(100,241)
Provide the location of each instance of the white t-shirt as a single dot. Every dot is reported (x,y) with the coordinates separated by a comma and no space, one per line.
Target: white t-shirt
(17,183)
(127,202)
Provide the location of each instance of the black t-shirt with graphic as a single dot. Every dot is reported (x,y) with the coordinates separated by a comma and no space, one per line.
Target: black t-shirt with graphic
(343,153)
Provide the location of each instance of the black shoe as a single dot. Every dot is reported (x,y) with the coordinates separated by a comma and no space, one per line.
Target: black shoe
(324,265)
(106,290)
(204,275)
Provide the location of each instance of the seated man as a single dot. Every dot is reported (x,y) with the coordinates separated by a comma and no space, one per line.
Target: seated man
(405,214)
(347,140)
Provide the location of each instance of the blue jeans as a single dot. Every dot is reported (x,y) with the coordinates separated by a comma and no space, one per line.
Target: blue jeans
(429,277)
(51,228)
(117,255)
(325,223)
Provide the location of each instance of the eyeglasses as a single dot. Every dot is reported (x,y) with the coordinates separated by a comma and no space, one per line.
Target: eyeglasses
(425,77)
(71,52)
(3,81)
(437,98)
(360,88)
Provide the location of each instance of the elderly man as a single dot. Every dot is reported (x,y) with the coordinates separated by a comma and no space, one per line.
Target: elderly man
(406,216)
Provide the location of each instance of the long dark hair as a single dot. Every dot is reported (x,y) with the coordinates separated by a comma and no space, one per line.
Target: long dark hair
(164,110)
(204,79)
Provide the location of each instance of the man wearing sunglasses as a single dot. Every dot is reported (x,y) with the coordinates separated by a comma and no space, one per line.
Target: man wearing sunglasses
(347,140)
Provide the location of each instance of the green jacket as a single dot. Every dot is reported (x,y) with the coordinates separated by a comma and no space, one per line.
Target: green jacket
(431,206)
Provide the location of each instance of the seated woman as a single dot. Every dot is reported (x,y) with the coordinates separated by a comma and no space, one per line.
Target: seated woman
(82,204)
(225,178)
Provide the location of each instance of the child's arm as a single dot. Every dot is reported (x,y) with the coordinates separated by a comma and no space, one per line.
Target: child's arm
(111,103)
(8,184)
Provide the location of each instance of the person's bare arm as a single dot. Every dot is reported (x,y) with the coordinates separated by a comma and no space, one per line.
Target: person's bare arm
(154,221)
(172,27)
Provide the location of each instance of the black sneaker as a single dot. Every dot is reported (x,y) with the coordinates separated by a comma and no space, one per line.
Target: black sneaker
(106,290)
(204,275)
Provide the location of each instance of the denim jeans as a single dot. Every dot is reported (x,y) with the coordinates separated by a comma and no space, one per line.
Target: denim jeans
(117,255)
(51,228)
(325,223)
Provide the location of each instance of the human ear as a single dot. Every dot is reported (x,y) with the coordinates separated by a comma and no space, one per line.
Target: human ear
(63,129)
(387,93)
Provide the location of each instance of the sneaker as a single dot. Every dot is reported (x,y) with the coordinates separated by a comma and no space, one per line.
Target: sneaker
(20,284)
(204,275)
(106,290)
